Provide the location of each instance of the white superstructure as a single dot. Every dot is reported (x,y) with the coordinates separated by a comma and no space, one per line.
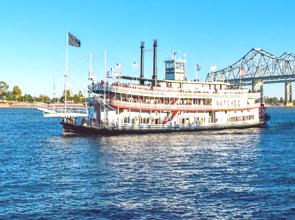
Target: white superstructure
(141,105)
(173,104)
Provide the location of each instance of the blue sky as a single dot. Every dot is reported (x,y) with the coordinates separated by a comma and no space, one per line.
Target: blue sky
(33,35)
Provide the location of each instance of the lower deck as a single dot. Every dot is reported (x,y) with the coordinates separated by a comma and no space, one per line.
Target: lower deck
(73,128)
(148,119)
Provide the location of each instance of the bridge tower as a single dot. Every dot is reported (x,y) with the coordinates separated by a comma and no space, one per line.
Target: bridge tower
(288,94)
(258,83)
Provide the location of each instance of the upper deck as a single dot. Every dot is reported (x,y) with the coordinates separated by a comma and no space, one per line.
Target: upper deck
(175,84)
(173,88)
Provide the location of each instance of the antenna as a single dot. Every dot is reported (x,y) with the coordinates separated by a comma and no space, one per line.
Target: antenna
(174,54)
(198,68)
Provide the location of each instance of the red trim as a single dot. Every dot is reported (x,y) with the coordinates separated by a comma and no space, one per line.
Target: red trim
(187,110)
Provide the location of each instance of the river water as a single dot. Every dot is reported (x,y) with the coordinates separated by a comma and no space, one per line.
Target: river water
(243,174)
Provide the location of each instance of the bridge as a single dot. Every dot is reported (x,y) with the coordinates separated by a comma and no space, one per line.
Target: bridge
(259,67)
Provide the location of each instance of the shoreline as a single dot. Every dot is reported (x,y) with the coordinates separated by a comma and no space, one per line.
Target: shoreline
(278,106)
(34,105)
(17,105)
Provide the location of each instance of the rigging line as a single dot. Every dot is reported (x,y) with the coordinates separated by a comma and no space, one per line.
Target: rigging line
(76,62)
(60,82)
(101,57)
(79,68)
(94,94)
(77,65)
(114,59)
(74,70)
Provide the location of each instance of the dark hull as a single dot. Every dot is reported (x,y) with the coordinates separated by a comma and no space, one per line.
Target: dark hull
(70,128)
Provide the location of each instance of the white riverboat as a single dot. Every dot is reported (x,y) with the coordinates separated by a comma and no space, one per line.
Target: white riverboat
(140,105)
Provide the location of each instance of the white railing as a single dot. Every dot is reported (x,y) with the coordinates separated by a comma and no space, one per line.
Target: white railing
(176,107)
(168,92)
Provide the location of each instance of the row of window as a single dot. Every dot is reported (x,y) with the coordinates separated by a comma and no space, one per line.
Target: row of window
(168,86)
(241,118)
(165,101)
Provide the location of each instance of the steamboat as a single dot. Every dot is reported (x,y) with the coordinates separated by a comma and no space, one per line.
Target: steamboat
(139,105)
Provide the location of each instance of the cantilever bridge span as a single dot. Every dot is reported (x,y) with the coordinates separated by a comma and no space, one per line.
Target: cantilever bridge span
(258,67)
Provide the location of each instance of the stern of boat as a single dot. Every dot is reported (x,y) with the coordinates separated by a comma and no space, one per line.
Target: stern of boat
(263,115)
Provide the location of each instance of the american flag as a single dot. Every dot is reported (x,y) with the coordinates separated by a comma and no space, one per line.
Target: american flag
(73,41)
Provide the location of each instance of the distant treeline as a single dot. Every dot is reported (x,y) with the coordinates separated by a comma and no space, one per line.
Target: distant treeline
(275,101)
(16,94)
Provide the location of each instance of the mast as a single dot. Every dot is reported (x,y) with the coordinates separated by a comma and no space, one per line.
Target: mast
(66,73)
(90,79)
(105,84)
(54,91)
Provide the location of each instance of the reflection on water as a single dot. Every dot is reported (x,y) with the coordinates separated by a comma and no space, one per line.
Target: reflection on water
(245,173)
(189,174)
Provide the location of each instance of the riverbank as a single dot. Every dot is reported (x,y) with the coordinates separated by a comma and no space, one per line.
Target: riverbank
(17,105)
(277,106)
(35,104)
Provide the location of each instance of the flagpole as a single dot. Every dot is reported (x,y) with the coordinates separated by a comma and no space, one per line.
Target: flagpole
(66,73)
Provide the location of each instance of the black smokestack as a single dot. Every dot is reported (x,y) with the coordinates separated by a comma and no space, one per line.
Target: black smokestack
(155,45)
(142,62)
